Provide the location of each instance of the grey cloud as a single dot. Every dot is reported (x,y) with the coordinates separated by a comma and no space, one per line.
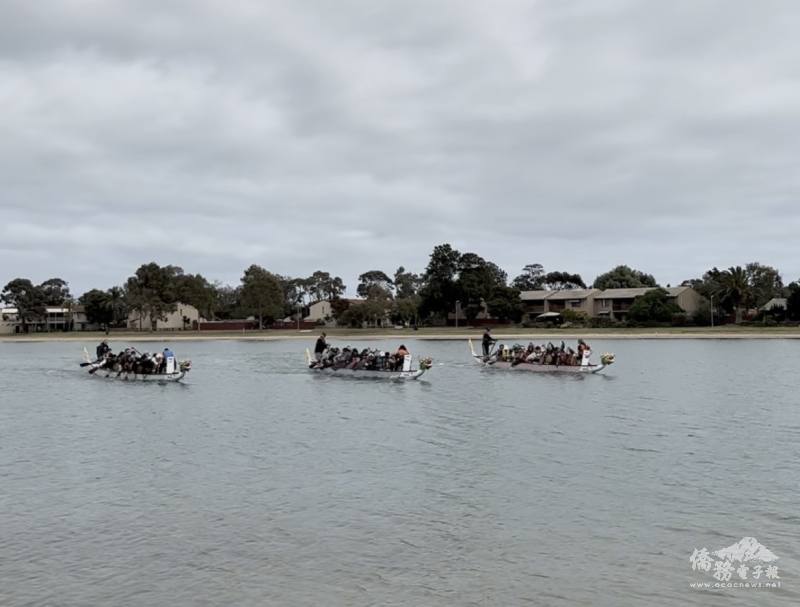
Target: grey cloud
(349,136)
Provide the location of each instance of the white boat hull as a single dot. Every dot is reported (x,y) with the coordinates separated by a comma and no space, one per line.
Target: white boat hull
(537,368)
(365,374)
(150,377)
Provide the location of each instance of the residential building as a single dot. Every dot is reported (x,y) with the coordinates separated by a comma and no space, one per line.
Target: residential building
(184,317)
(319,310)
(539,302)
(577,300)
(615,303)
(775,302)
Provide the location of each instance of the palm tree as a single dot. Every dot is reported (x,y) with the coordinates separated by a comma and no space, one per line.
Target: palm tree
(735,288)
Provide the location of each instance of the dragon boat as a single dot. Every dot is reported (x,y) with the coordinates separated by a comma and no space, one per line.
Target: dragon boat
(405,374)
(500,359)
(113,371)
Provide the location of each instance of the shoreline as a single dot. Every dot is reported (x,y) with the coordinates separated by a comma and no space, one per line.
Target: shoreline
(335,335)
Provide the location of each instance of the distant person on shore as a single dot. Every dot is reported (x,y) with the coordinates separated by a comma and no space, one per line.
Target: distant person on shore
(103,349)
(321,346)
(488,340)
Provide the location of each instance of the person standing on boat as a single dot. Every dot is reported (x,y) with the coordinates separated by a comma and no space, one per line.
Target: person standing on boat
(400,357)
(169,361)
(321,346)
(103,349)
(488,340)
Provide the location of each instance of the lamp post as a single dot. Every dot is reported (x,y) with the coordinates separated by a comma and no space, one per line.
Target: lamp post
(458,305)
(712,310)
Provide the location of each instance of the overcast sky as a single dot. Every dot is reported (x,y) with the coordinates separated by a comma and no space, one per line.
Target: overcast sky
(348,136)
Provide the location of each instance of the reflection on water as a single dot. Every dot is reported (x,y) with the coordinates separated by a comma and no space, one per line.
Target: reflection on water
(257,482)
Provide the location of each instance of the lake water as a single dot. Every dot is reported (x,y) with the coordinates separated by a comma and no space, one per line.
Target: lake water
(258,483)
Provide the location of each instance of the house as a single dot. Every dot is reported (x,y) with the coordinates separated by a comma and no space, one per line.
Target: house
(577,300)
(539,302)
(775,302)
(9,321)
(615,303)
(319,310)
(534,302)
(184,317)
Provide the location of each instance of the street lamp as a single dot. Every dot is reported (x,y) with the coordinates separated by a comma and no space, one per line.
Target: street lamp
(712,310)
(458,305)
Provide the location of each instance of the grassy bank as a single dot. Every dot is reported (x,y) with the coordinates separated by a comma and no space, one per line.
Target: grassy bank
(441,333)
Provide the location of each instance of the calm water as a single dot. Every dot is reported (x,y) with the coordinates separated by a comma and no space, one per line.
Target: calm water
(257,483)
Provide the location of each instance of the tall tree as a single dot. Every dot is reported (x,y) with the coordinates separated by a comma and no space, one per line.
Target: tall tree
(735,288)
(624,277)
(151,291)
(559,281)
(262,294)
(322,286)
(765,283)
(29,301)
(195,290)
(653,306)
(793,301)
(375,284)
(118,301)
(406,309)
(55,291)
(504,303)
(98,308)
(477,280)
(531,279)
(227,302)
(406,284)
(439,293)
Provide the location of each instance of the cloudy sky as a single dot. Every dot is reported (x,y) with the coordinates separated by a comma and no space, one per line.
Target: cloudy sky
(350,136)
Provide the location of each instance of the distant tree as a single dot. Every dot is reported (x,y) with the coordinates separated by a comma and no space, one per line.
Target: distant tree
(765,283)
(504,303)
(55,292)
(228,302)
(438,292)
(321,286)
(262,294)
(477,280)
(624,277)
(195,290)
(118,301)
(653,306)
(29,301)
(405,309)
(375,284)
(295,293)
(793,301)
(406,284)
(338,307)
(98,307)
(531,279)
(151,291)
(735,289)
(559,281)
